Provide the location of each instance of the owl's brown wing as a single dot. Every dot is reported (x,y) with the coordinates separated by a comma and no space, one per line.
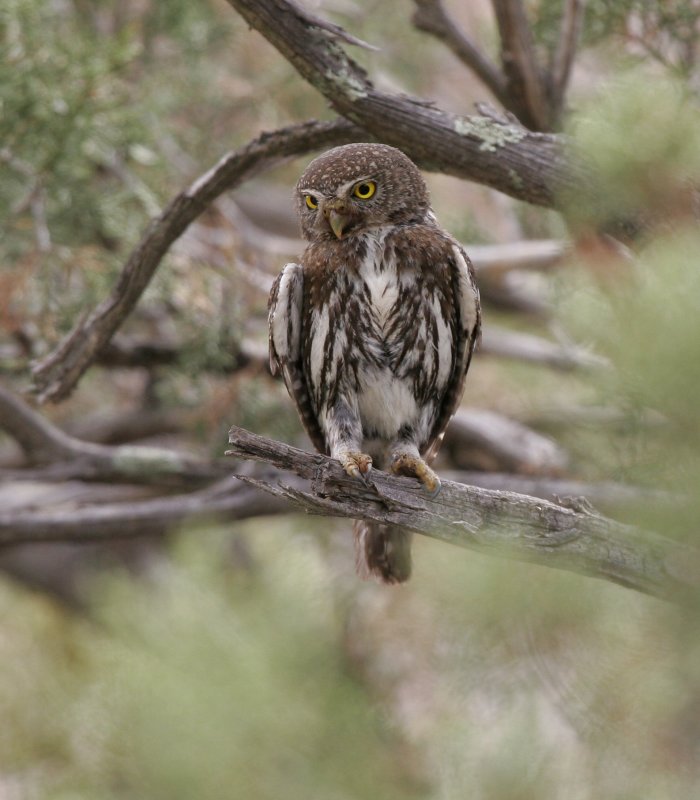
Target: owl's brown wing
(285,308)
(466,311)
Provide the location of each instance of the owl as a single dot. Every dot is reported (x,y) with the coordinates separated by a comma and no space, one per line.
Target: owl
(373,329)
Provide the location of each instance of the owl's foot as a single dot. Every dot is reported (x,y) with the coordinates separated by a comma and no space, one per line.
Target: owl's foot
(414,467)
(357,465)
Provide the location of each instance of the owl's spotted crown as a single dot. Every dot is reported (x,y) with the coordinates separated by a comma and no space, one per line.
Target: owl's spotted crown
(398,193)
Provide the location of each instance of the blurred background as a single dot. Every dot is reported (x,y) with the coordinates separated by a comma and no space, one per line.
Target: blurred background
(244,659)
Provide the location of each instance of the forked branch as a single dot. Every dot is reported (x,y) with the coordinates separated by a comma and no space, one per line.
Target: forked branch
(511,525)
(533,167)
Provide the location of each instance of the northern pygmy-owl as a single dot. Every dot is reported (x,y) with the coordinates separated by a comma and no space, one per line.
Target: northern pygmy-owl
(374,328)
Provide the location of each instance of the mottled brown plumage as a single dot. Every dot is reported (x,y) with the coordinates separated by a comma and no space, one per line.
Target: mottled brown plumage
(373,330)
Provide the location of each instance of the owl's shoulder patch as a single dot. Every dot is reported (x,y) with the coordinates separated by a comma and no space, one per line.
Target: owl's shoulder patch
(284,316)
(419,246)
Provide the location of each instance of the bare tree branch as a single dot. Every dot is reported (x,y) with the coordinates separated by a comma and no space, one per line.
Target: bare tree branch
(501,523)
(529,166)
(597,417)
(505,343)
(57,374)
(563,55)
(225,500)
(41,441)
(478,438)
(62,457)
(431,17)
(531,255)
(526,165)
(127,352)
(525,84)
(607,494)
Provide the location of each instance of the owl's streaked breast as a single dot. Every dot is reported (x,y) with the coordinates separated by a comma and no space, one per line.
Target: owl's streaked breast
(379,341)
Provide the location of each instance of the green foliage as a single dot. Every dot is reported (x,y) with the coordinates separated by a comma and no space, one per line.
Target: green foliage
(671,23)
(649,327)
(553,686)
(65,110)
(89,94)
(202,681)
(639,137)
(485,679)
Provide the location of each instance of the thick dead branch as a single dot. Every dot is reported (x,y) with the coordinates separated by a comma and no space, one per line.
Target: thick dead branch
(130,426)
(516,291)
(502,523)
(57,374)
(127,352)
(530,255)
(59,456)
(431,17)
(596,417)
(606,494)
(529,166)
(225,500)
(485,440)
(536,350)
(124,351)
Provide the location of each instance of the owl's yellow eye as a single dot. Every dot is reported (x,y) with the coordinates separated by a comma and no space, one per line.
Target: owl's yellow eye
(311,202)
(365,190)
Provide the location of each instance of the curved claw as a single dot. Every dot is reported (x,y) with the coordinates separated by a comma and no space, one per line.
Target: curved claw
(437,487)
(357,465)
(415,467)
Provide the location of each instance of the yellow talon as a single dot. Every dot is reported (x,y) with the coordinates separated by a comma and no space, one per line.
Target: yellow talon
(415,467)
(357,465)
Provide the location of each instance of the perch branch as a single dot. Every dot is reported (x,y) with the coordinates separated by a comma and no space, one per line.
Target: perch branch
(502,523)
(605,493)
(57,374)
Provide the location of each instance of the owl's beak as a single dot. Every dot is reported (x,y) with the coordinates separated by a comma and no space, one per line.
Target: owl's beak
(338,222)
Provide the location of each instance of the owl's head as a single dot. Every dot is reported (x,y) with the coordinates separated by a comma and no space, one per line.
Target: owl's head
(354,188)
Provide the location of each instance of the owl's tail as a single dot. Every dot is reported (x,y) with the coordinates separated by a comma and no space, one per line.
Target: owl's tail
(382,551)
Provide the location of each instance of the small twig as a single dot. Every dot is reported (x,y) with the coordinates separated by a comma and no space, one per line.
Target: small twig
(502,523)
(431,17)
(525,84)
(42,233)
(596,417)
(335,31)
(563,55)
